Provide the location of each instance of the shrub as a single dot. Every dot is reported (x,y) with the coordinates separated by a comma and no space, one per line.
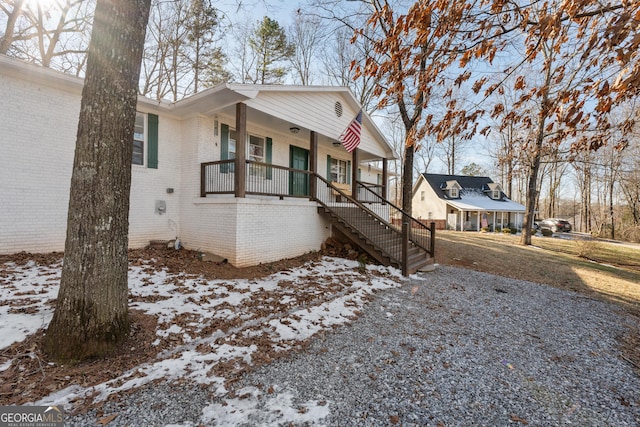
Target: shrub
(546,232)
(484,229)
(533,231)
(514,230)
(586,248)
(506,230)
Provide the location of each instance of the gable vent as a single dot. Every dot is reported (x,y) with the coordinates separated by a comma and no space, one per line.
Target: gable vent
(338,108)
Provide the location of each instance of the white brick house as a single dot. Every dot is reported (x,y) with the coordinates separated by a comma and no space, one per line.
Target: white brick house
(185,184)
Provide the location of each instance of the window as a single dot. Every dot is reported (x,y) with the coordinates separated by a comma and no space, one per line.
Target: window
(256,149)
(256,154)
(339,171)
(495,194)
(453,193)
(138,140)
(232,144)
(422,196)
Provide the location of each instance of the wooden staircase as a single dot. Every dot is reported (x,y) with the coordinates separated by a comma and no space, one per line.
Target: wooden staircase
(409,251)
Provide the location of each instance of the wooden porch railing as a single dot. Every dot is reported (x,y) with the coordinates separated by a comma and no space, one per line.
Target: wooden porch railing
(417,232)
(260,178)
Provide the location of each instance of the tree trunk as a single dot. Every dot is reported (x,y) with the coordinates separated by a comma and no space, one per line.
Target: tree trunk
(91,313)
(407,177)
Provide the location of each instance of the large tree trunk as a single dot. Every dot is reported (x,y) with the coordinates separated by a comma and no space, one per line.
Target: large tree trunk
(407,177)
(91,313)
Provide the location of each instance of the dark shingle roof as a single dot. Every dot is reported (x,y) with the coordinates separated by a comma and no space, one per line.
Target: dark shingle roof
(438,182)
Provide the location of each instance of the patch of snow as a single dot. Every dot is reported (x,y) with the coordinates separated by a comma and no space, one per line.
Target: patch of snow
(285,308)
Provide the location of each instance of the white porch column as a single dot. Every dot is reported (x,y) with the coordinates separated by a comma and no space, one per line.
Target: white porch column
(501,220)
(478,221)
(494,221)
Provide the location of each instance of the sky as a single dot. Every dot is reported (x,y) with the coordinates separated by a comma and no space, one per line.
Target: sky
(284,309)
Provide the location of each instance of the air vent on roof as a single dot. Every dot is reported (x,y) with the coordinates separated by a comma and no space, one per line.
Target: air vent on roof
(338,108)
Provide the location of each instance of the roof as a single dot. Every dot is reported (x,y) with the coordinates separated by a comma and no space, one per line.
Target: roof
(473,196)
(481,202)
(269,111)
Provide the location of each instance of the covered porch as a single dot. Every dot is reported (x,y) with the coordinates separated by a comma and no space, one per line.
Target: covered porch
(484,215)
(266,156)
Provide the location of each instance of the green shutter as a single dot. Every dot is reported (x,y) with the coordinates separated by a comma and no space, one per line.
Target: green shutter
(224,147)
(224,142)
(152,141)
(328,168)
(269,157)
(349,172)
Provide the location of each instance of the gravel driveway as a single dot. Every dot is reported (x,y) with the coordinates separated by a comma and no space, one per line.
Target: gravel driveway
(453,347)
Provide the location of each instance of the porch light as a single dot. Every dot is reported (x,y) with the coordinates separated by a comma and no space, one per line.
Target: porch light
(294,129)
(336,143)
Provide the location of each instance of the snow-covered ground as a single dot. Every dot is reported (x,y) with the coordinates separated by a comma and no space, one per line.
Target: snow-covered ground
(205,323)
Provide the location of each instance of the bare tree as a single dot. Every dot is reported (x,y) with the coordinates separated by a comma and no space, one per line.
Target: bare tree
(305,35)
(181,51)
(12,9)
(51,34)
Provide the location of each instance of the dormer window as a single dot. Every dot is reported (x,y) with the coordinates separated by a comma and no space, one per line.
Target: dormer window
(495,191)
(452,189)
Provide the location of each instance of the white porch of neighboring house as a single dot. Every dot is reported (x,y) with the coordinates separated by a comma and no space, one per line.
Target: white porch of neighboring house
(476,212)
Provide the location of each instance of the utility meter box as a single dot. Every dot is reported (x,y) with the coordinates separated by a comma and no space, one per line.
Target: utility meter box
(161,207)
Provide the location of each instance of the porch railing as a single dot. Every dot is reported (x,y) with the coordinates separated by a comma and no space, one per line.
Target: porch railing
(419,234)
(260,178)
(368,192)
(351,212)
(217,177)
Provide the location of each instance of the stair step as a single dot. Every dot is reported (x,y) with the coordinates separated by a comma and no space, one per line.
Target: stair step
(382,241)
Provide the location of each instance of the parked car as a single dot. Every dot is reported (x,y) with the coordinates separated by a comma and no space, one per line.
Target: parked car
(555,225)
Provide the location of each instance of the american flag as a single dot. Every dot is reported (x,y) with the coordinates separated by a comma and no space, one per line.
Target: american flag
(350,138)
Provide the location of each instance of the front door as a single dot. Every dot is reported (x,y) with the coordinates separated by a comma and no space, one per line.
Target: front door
(298,182)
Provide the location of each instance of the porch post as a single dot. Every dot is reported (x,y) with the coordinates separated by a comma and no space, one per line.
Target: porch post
(241,150)
(478,221)
(501,220)
(384,179)
(354,173)
(494,221)
(313,164)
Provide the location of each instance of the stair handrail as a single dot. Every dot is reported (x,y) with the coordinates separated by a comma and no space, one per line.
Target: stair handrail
(350,201)
(413,221)
(354,201)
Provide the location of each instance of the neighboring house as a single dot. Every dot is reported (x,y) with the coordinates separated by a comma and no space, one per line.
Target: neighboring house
(462,203)
(251,202)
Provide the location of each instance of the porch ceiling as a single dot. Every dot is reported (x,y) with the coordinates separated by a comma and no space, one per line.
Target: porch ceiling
(261,119)
(282,107)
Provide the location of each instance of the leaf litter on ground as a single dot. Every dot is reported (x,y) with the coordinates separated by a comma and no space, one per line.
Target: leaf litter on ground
(204,327)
